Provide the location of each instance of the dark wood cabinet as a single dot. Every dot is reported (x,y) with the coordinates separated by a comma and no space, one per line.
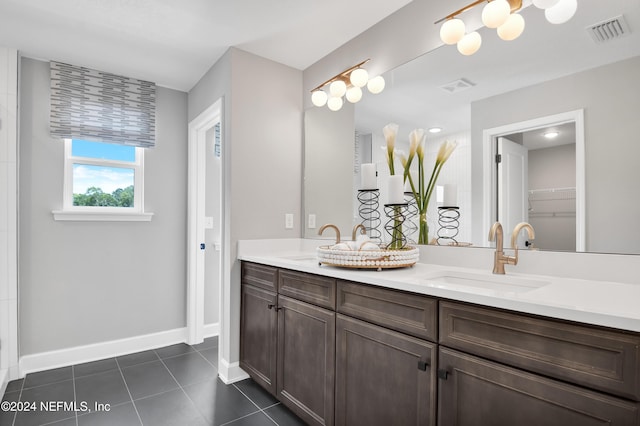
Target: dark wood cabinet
(287,344)
(345,353)
(306,360)
(594,357)
(383,377)
(473,391)
(259,331)
(405,312)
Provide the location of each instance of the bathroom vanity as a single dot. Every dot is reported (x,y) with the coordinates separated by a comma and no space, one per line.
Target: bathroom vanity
(352,347)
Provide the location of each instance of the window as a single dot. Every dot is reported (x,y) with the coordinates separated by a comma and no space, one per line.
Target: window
(102,181)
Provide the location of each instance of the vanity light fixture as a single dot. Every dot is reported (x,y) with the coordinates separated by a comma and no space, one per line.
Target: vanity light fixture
(500,14)
(348,83)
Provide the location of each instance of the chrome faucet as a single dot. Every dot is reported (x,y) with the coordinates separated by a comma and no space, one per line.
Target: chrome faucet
(500,259)
(329,225)
(362,229)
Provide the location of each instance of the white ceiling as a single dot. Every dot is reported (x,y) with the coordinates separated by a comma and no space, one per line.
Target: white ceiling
(174,43)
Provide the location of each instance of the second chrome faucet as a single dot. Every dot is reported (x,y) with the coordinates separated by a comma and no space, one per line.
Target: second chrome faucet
(497,234)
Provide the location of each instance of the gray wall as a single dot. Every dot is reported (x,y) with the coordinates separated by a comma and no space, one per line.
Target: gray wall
(551,215)
(89,282)
(329,149)
(262,159)
(609,97)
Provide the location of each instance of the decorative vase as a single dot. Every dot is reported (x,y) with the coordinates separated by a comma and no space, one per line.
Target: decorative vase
(423,229)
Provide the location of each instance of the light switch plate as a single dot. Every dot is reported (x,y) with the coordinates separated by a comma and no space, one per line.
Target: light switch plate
(208,222)
(312,221)
(288,221)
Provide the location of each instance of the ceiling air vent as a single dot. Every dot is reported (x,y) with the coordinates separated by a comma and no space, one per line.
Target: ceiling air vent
(457,86)
(608,30)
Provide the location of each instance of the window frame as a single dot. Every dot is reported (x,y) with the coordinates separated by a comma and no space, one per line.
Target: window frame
(101,213)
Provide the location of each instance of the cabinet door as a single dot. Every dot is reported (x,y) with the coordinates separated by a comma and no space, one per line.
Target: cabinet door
(383,377)
(258,335)
(473,391)
(306,360)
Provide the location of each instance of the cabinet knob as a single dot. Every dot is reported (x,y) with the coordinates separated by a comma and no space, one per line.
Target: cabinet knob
(422,365)
(271,306)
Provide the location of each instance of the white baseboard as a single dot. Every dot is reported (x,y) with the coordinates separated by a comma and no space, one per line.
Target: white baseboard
(211,330)
(230,373)
(79,354)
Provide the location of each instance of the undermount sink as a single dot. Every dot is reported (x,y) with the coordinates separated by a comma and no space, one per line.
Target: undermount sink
(482,283)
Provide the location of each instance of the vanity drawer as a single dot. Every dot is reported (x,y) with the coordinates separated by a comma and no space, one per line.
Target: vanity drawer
(310,288)
(260,275)
(598,358)
(408,313)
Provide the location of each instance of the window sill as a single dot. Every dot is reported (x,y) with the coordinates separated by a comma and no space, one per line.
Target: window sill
(83,216)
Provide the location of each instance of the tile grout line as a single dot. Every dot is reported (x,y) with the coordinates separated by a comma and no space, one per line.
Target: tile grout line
(15,415)
(254,403)
(75,395)
(129,392)
(207,360)
(180,385)
(240,418)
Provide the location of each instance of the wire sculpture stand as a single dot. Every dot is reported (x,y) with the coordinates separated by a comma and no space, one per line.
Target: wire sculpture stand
(411,223)
(448,219)
(397,215)
(369,212)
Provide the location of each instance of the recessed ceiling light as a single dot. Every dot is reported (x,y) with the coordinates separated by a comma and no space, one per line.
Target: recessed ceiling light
(435,130)
(551,135)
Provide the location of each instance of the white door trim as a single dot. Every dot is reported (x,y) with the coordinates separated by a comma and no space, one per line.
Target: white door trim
(489,175)
(198,128)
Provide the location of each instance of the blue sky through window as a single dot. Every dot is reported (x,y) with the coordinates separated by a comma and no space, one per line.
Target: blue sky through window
(108,178)
(104,151)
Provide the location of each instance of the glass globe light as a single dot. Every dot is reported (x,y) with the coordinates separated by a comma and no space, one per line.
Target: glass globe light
(470,43)
(496,13)
(319,98)
(338,88)
(334,103)
(376,85)
(354,94)
(561,12)
(544,4)
(452,31)
(512,28)
(359,77)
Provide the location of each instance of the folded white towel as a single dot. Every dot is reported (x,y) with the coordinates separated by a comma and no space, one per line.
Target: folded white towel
(368,245)
(341,246)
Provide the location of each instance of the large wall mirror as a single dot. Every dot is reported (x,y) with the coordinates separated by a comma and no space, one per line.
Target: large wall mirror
(582,187)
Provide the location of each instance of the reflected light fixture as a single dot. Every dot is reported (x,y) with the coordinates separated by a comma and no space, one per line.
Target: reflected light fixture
(551,134)
(348,83)
(500,14)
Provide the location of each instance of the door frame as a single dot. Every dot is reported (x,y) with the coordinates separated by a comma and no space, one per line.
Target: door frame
(490,179)
(198,128)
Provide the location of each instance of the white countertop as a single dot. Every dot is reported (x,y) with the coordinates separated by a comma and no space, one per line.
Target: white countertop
(603,303)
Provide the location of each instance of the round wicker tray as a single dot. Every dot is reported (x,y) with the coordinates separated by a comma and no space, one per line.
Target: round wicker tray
(368,259)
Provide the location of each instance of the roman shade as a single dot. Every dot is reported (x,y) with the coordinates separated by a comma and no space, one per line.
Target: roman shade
(101,107)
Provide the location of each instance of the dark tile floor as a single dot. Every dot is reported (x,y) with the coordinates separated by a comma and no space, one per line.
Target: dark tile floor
(172,386)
